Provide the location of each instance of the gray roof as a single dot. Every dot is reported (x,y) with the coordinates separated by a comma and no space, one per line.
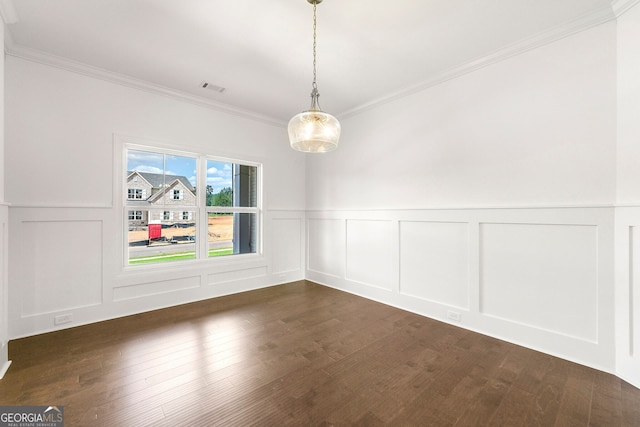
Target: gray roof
(138,203)
(157,179)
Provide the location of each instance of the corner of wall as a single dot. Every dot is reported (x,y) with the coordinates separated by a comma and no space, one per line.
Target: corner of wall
(627,224)
(4,214)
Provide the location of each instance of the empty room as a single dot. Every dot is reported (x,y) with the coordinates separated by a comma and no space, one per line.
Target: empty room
(320,212)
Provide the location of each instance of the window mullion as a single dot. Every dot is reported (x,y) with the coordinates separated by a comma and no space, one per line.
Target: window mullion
(201,213)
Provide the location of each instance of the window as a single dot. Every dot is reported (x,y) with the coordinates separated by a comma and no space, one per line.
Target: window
(170,220)
(232,208)
(135,215)
(134,193)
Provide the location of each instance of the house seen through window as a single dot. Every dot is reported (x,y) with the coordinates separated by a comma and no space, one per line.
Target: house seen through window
(135,193)
(170,216)
(135,215)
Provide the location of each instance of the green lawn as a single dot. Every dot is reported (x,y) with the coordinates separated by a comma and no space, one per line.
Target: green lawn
(177,256)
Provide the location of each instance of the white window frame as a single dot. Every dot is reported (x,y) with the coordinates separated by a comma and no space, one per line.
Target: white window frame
(250,210)
(138,193)
(200,210)
(134,215)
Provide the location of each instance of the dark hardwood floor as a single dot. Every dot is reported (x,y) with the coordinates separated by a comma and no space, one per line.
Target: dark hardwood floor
(303,354)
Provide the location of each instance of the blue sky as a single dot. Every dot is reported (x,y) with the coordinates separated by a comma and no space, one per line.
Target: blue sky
(219,174)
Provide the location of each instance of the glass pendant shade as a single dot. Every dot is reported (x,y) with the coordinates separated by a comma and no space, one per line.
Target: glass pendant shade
(314,131)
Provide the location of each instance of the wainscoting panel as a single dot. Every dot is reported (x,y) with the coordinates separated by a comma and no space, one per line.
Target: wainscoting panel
(287,245)
(544,276)
(541,277)
(68,268)
(4,315)
(237,275)
(369,252)
(627,248)
(633,291)
(64,268)
(326,252)
(434,262)
(147,289)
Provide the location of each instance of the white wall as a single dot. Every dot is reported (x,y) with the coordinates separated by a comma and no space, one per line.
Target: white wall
(485,201)
(536,129)
(4,216)
(628,216)
(628,79)
(66,244)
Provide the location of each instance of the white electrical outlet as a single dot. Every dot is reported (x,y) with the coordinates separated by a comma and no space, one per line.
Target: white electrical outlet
(62,318)
(454,315)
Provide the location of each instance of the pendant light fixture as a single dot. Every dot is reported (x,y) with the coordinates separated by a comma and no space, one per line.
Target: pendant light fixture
(314,131)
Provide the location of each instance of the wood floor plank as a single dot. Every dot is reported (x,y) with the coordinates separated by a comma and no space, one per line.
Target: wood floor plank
(303,354)
(480,410)
(606,402)
(513,408)
(548,395)
(575,405)
(629,404)
(423,411)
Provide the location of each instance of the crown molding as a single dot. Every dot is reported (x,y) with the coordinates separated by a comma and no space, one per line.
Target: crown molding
(582,23)
(44,58)
(620,7)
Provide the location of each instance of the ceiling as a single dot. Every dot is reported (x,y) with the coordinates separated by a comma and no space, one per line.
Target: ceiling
(261,51)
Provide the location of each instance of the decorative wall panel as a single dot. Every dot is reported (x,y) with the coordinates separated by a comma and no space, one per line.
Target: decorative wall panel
(545,276)
(434,261)
(369,252)
(326,253)
(240,274)
(154,288)
(62,265)
(4,312)
(634,290)
(287,245)
(627,309)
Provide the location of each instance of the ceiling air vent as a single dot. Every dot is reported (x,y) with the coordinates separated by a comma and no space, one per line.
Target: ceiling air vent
(209,86)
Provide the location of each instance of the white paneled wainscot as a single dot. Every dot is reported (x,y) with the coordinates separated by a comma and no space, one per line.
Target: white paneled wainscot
(68,264)
(628,293)
(539,277)
(4,303)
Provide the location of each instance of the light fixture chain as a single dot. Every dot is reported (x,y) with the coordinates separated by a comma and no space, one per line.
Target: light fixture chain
(315,5)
